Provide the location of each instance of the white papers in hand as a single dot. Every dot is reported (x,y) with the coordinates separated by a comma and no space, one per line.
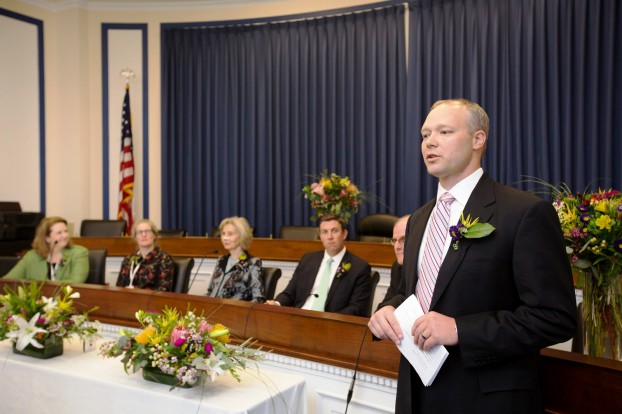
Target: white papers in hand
(426,363)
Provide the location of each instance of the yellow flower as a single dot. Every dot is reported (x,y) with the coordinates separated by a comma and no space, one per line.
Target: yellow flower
(145,335)
(602,207)
(220,333)
(604,222)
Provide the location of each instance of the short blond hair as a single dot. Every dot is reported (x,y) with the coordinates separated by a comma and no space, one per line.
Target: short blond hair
(151,224)
(478,118)
(243,229)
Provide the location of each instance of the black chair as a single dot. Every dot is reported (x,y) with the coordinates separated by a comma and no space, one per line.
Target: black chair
(299,233)
(376,228)
(271,276)
(7,263)
(214,232)
(375,278)
(97,266)
(577,340)
(102,228)
(183,269)
(173,233)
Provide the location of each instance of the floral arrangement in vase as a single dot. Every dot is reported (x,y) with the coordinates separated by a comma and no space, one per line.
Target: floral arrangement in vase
(592,228)
(32,320)
(180,350)
(333,194)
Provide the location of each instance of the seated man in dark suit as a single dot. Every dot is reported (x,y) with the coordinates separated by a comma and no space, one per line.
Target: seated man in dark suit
(333,280)
(399,236)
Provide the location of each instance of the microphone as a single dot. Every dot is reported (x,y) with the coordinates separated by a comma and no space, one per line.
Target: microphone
(196,272)
(52,250)
(356,368)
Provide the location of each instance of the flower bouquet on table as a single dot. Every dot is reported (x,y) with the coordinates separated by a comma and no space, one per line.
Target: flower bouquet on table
(333,194)
(592,228)
(180,350)
(38,324)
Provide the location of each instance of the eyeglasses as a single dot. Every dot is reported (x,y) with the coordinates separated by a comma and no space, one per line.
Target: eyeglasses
(401,241)
(143,232)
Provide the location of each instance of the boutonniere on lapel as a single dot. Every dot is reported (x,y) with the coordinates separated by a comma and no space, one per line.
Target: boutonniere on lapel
(470,229)
(136,259)
(342,269)
(62,262)
(243,261)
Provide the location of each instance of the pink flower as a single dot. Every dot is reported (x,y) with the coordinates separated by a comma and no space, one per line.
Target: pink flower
(204,326)
(209,348)
(178,336)
(317,189)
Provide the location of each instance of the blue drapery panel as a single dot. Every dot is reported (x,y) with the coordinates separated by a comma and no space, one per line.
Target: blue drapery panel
(249,112)
(548,72)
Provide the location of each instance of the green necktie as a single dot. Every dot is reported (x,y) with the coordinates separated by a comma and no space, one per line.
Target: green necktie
(322,289)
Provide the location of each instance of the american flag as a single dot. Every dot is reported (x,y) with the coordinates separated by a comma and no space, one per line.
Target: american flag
(126,172)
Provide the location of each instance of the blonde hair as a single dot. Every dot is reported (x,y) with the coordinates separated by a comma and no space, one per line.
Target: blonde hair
(151,224)
(243,229)
(39,244)
(478,118)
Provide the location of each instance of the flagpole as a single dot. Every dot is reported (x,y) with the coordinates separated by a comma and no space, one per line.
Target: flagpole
(126,169)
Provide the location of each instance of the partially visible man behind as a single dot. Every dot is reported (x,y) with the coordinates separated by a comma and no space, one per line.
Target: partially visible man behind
(332,280)
(398,240)
(494,301)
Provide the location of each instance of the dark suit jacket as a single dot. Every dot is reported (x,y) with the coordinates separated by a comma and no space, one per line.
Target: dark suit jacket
(348,294)
(394,286)
(511,294)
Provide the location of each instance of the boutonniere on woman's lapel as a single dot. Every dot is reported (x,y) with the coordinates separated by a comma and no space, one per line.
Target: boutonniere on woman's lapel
(62,262)
(243,261)
(136,259)
(470,229)
(342,269)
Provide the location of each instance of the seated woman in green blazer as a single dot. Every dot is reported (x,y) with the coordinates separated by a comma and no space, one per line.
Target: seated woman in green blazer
(52,257)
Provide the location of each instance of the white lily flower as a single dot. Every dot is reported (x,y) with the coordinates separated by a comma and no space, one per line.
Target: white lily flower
(50,304)
(27,331)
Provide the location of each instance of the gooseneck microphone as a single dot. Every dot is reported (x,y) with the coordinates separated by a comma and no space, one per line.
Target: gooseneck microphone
(50,254)
(196,272)
(356,368)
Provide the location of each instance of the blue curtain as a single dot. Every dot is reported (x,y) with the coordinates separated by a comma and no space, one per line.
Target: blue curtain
(548,73)
(249,113)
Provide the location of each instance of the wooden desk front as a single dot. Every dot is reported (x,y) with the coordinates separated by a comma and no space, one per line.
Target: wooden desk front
(377,255)
(572,383)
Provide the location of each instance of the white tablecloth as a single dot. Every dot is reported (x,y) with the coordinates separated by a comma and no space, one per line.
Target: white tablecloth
(78,382)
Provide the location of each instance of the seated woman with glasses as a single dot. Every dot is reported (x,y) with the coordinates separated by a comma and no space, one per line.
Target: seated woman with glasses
(53,257)
(150,267)
(237,274)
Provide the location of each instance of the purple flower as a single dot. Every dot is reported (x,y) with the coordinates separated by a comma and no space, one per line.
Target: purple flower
(582,208)
(617,246)
(620,207)
(209,348)
(585,218)
(454,232)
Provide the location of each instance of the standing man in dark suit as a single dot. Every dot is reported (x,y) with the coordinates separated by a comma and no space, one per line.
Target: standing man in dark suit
(333,280)
(497,300)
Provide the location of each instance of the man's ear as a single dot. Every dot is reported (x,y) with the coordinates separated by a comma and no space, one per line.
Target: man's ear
(479,140)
